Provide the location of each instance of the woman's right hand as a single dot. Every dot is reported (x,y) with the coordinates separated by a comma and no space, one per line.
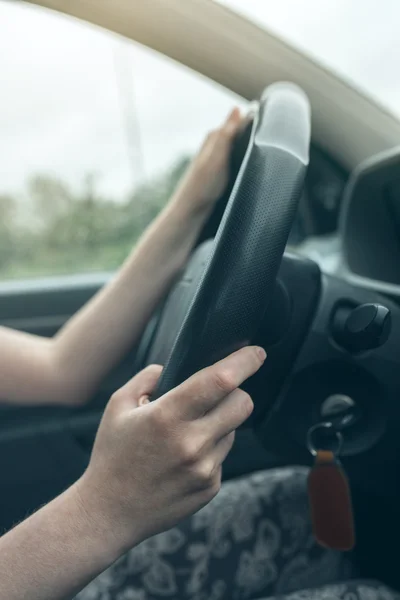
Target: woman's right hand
(155,463)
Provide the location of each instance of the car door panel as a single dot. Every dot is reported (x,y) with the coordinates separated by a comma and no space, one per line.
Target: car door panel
(41,452)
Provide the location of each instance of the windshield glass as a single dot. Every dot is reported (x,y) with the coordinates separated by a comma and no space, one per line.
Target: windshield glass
(359,39)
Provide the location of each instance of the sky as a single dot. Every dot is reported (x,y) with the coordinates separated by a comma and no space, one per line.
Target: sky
(76,100)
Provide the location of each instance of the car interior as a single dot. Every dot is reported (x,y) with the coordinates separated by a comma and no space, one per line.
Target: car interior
(332,333)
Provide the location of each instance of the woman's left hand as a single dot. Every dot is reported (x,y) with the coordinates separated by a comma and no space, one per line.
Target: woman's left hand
(208,174)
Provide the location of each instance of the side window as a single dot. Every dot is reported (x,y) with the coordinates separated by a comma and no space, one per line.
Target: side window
(95,132)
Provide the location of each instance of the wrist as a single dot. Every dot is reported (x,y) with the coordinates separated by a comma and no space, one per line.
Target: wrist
(96,521)
(190,206)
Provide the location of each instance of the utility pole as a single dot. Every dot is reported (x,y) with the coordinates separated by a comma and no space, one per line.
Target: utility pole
(124,75)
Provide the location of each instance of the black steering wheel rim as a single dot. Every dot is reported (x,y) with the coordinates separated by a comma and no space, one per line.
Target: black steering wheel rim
(239,278)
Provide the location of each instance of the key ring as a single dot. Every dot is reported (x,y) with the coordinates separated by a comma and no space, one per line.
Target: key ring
(319,426)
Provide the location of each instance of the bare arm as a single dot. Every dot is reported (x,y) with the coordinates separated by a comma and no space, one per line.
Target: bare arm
(165,466)
(69,367)
(55,552)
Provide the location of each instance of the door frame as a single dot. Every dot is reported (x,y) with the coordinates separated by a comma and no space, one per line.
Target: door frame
(243,57)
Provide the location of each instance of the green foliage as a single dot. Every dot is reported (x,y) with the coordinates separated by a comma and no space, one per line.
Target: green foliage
(71,232)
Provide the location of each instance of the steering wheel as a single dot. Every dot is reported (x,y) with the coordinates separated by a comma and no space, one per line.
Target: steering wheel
(239,278)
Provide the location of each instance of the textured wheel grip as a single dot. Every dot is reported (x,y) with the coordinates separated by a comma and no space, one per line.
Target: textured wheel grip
(238,280)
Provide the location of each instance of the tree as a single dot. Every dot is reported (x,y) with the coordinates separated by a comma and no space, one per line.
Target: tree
(78,230)
(50,197)
(8,242)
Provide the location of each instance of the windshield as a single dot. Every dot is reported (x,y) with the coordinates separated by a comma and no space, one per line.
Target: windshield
(359,39)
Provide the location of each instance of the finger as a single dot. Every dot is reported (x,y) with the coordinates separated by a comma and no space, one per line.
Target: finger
(223,134)
(208,470)
(138,389)
(204,390)
(233,123)
(222,448)
(228,415)
(234,116)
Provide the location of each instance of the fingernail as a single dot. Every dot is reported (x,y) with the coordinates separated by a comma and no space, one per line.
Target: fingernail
(261,353)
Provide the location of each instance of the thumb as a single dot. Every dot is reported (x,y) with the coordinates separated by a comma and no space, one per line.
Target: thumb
(233,122)
(137,390)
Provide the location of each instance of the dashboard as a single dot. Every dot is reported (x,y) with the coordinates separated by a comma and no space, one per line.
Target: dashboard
(321,202)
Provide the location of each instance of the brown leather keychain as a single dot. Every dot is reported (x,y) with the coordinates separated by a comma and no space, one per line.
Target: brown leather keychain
(329,494)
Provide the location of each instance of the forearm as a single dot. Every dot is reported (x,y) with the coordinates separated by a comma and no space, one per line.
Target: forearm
(68,368)
(55,553)
(95,339)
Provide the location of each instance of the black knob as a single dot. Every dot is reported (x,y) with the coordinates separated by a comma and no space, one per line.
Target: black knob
(362,328)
